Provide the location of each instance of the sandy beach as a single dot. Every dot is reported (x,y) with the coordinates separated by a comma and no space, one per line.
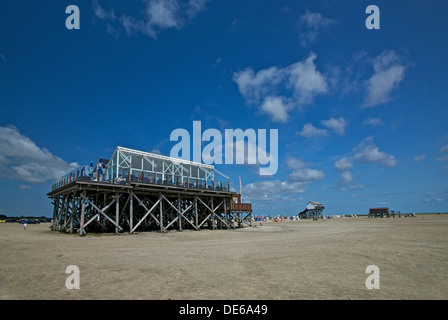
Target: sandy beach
(288,260)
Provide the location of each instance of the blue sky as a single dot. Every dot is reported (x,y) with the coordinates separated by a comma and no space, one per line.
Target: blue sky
(361,114)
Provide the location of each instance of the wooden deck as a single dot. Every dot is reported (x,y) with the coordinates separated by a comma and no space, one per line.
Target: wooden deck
(95,206)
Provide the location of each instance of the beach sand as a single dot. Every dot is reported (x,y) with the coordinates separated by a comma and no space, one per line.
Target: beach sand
(323,259)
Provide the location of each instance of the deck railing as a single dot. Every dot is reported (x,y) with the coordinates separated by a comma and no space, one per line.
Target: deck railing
(83,174)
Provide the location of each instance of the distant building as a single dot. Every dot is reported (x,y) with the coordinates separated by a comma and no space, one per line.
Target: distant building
(312,205)
(313,210)
(379,212)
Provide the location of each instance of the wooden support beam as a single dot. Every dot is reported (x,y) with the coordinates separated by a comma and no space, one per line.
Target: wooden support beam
(250,219)
(117,210)
(131,211)
(83,209)
(74,212)
(69,219)
(213,214)
(55,211)
(148,212)
(225,213)
(213,218)
(162,229)
(67,211)
(122,213)
(181,213)
(62,212)
(196,212)
(101,212)
(179,209)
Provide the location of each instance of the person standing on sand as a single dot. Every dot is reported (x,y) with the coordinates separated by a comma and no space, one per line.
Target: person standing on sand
(25,224)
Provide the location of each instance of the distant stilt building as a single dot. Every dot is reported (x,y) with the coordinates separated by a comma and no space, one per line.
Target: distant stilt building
(138,191)
(313,210)
(379,212)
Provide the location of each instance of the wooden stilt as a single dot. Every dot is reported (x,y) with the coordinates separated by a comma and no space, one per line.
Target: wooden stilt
(179,214)
(55,211)
(213,215)
(131,212)
(161,214)
(83,209)
(117,211)
(196,212)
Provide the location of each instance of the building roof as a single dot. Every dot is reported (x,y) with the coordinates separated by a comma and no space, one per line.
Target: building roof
(163,158)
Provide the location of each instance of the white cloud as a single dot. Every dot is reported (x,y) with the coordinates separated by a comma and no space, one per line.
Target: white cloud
(262,188)
(301,82)
(337,125)
(195,6)
(310,131)
(444,148)
(388,74)
(310,25)
(278,190)
(22,159)
(306,80)
(346,177)
(433,198)
(356,186)
(344,164)
(419,158)
(163,14)
(373,122)
(158,15)
(368,152)
(255,86)
(102,13)
(442,158)
(301,173)
(276,109)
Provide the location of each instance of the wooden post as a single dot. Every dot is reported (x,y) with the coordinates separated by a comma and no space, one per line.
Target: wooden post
(117,210)
(55,211)
(103,224)
(196,211)
(74,210)
(68,209)
(62,212)
(83,209)
(179,215)
(213,215)
(225,212)
(250,218)
(131,212)
(161,214)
